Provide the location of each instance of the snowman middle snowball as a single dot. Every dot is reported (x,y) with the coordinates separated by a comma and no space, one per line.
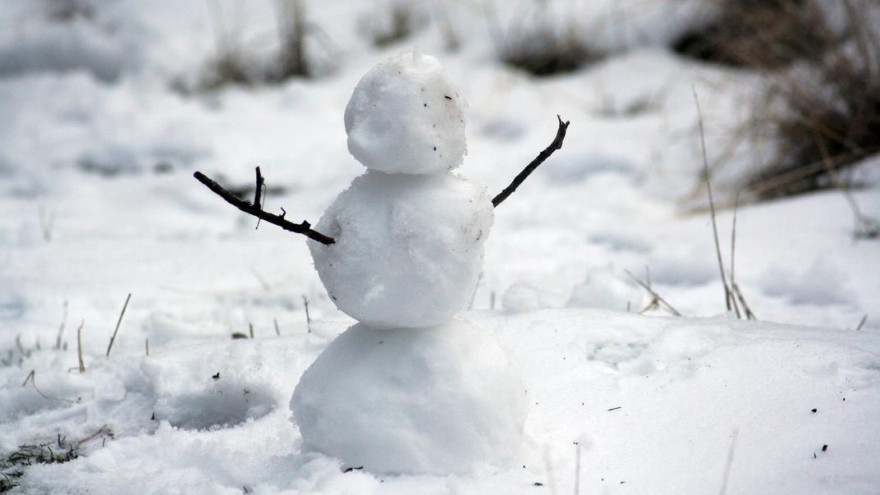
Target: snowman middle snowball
(409,232)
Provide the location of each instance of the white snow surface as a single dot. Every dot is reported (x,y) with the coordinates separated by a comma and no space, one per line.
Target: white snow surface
(405,117)
(435,400)
(408,250)
(97,201)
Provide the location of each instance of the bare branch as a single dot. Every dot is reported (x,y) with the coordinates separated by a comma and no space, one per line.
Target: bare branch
(549,150)
(303,228)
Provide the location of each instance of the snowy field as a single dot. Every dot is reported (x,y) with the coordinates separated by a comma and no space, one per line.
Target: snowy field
(99,137)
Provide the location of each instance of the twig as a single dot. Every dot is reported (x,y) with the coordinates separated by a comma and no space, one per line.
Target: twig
(251,330)
(79,347)
(118,324)
(32,379)
(654,294)
(258,191)
(308,316)
(727,293)
(862,323)
(730,452)
(303,228)
(277,330)
(102,431)
(147,347)
(549,150)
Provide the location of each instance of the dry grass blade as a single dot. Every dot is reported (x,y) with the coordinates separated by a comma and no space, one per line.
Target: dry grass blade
(727,465)
(32,379)
(58,341)
(308,316)
(728,297)
(657,300)
(742,300)
(118,324)
(79,347)
(862,322)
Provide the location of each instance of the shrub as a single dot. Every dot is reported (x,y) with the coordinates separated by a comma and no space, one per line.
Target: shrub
(830,117)
(543,44)
(759,34)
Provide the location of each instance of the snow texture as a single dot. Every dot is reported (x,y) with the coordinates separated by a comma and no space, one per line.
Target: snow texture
(405,117)
(409,248)
(435,400)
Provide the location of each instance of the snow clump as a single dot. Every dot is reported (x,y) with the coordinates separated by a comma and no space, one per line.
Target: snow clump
(409,248)
(604,288)
(427,401)
(406,117)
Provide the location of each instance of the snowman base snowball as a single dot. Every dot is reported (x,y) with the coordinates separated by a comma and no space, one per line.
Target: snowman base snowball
(435,400)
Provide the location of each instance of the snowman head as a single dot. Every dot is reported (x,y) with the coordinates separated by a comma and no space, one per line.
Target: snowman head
(406,117)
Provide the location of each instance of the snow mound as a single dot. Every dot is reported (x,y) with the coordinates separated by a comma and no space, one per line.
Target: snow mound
(409,248)
(605,289)
(430,401)
(521,297)
(405,117)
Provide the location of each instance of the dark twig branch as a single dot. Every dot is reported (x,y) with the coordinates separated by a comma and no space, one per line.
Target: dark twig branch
(256,210)
(549,150)
(258,192)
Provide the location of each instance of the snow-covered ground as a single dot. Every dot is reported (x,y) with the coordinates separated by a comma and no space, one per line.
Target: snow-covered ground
(97,201)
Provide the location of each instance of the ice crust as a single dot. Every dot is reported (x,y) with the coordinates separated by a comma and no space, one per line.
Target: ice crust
(409,248)
(405,117)
(435,400)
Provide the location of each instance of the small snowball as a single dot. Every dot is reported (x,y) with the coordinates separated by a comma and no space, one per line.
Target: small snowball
(604,288)
(521,297)
(409,248)
(428,401)
(405,117)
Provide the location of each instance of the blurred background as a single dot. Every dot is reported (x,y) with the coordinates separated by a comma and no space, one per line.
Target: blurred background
(108,107)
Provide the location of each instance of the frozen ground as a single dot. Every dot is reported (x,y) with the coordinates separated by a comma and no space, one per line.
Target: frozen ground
(97,201)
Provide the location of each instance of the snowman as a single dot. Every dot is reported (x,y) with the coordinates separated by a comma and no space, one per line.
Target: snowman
(409,389)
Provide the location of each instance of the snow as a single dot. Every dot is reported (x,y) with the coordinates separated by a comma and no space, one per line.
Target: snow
(652,401)
(405,117)
(408,250)
(410,401)
(605,288)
